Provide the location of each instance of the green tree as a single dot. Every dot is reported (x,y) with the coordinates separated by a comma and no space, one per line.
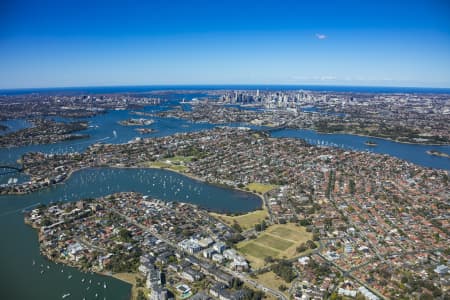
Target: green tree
(141,295)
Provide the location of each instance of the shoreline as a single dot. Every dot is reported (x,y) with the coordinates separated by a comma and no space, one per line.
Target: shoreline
(437,153)
(371,136)
(317,131)
(124,276)
(194,177)
(71,265)
(73,137)
(189,175)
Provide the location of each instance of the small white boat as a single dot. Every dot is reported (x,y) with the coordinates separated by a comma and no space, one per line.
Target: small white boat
(65,295)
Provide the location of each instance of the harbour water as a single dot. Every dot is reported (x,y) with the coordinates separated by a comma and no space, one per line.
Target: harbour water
(410,152)
(22,279)
(26,275)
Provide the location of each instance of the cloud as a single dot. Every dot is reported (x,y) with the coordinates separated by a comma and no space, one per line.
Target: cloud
(321,36)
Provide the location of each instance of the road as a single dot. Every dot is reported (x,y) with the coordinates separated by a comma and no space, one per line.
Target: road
(241,276)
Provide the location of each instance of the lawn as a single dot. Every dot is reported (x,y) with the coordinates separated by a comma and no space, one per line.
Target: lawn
(271,280)
(287,233)
(166,164)
(260,188)
(277,241)
(180,159)
(258,251)
(273,242)
(246,221)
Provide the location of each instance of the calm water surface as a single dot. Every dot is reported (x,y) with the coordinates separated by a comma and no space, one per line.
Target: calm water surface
(20,279)
(409,152)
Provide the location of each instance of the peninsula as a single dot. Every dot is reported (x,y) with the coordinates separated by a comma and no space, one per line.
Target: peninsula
(336,194)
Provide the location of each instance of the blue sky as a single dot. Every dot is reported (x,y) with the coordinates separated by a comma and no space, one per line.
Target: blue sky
(154,42)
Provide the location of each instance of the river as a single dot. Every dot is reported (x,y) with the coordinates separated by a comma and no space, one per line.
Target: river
(414,153)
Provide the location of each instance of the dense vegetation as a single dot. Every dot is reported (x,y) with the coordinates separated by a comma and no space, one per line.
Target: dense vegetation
(284,269)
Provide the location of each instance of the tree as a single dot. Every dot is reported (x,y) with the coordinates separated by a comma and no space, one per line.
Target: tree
(139,282)
(316,237)
(236,283)
(46,222)
(141,295)
(426,296)
(351,185)
(236,227)
(125,235)
(302,247)
(261,226)
(311,245)
(335,296)
(236,238)
(284,270)
(252,295)
(282,287)
(268,259)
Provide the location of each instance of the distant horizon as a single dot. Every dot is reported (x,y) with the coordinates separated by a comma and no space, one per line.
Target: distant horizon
(52,44)
(117,89)
(223,85)
(329,84)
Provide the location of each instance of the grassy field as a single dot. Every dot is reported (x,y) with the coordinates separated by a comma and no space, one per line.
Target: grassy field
(272,280)
(176,163)
(260,188)
(246,221)
(287,232)
(257,250)
(131,279)
(180,159)
(274,242)
(277,241)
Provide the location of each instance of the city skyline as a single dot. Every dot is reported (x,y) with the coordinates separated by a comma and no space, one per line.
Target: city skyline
(53,44)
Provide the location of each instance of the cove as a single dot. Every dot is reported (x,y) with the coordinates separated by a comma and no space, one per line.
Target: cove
(20,279)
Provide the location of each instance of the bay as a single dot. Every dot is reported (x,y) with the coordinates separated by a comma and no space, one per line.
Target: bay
(21,279)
